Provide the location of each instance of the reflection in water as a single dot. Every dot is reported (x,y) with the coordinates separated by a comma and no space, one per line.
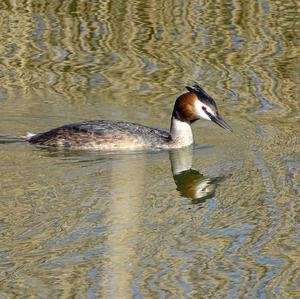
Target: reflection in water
(190,182)
(126,205)
(127,190)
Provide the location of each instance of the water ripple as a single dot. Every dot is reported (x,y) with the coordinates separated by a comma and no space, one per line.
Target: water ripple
(77,224)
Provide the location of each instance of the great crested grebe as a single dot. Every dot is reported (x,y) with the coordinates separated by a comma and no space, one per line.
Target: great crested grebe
(121,135)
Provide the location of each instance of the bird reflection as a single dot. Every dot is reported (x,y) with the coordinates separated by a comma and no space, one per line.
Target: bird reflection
(190,182)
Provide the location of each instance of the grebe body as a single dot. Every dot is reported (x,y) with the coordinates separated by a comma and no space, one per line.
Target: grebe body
(103,135)
(121,135)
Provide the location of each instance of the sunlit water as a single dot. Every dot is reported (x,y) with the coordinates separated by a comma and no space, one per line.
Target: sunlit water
(219,220)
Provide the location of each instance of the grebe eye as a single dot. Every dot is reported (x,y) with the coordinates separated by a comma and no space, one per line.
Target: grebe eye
(204,108)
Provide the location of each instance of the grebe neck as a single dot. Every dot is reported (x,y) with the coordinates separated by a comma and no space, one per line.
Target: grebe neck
(181,133)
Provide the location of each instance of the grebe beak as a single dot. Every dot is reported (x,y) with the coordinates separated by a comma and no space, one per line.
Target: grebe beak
(220,121)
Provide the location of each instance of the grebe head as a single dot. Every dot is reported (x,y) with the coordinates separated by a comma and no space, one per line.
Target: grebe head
(197,104)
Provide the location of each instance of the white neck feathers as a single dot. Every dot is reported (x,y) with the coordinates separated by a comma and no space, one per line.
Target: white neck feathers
(181,133)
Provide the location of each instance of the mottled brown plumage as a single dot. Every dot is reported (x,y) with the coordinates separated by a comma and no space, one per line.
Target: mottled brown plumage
(103,134)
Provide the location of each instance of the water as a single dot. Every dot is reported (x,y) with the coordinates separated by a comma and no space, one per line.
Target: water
(219,220)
